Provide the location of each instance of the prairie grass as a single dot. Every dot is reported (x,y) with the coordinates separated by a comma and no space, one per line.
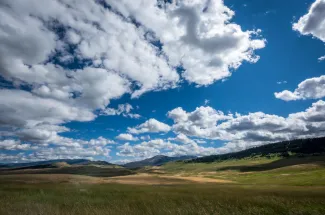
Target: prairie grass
(66,199)
(309,171)
(261,187)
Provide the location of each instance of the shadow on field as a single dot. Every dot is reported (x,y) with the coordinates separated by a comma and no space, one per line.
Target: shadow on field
(285,162)
(75,170)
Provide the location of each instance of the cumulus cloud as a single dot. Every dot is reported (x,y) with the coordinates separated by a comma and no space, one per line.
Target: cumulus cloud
(198,122)
(314,114)
(100,141)
(65,152)
(24,108)
(34,118)
(313,22)
(13,145)
(150,126)
(198,35)
(238,132)
(164,147)
(244,131)
(182,138)
(122,109)
(312,88)
(59,148)
(65,61)
(127,137)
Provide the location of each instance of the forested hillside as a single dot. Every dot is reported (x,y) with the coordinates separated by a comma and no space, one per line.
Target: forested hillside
(299,148)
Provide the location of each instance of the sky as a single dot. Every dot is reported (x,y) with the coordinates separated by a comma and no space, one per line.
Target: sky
(126,80)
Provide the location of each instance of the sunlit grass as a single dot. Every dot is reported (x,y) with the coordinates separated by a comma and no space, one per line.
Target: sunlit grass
(261,171)
(261,186)
(181,199)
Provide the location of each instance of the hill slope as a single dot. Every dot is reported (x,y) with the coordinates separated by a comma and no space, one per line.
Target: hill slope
(52,162)
(156,161)
(300,148)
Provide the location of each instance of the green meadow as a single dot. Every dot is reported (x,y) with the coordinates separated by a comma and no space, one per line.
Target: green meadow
(64,199)
(294,186)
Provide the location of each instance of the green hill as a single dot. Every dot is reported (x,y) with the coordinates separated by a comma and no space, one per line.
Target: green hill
(297,148)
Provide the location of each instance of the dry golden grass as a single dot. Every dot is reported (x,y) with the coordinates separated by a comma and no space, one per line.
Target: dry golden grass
(50,178)
(138,179)
(233,188)
(146,179)
(198,179)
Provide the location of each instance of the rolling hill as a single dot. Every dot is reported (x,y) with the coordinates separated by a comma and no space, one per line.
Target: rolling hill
(50,162)
(66,166)
(297,148)
(156,161)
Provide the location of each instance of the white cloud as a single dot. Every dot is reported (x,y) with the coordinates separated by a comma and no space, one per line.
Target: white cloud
(244,131)
(122,109)
(22,107)
(127,137)
(197,35)
(98,87)
(314,114)
(59,148)
(122,161)
(12,157)
(163,147)
(310,24)
(77,56)
(282,82)
(105,38)
(182,138)
(65,152)
(286,95)
(322,58)
(313,22)
(41,133)
(33,118)
(150,126)
(312,88)
(147,137)
(13,145)
(100,141)
(198,122)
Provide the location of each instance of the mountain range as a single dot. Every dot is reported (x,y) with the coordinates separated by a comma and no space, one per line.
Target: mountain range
(52,162)
(300,147)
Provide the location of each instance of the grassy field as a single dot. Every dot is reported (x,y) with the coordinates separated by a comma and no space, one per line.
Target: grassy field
(62,199)
(248,186)
(88,170)
(308,171)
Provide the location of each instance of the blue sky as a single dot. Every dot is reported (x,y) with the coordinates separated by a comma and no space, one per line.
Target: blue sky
(232,107)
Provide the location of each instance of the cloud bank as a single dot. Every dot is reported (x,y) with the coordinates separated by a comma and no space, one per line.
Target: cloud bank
(65,61)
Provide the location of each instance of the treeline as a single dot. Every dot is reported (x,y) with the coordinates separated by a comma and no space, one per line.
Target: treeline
(299,148)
